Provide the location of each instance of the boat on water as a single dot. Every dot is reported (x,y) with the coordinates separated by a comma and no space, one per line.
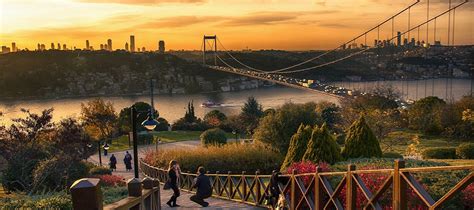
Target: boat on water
(210,104)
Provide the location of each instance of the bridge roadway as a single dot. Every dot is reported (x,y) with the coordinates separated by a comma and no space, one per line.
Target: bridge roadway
(255,75)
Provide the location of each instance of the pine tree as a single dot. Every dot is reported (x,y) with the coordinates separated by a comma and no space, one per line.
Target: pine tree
(322,147)
(298,144)
(361,141)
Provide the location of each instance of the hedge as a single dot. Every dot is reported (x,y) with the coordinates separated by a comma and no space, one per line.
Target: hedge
(439,153)
(465,151)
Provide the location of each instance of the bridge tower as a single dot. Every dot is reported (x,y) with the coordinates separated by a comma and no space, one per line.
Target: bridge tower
(204,43)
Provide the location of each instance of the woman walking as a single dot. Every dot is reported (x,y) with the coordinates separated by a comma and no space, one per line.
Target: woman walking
(173,173)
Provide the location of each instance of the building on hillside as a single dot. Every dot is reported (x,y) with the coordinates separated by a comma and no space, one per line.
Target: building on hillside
(161,46)
(109,44)
(132,43)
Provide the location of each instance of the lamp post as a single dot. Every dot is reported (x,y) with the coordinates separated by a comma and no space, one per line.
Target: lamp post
(149,124)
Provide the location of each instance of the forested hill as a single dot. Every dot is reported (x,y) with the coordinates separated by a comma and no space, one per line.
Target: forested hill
(56,73)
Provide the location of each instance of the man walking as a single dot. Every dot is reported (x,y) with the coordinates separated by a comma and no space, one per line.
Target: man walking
(203,186)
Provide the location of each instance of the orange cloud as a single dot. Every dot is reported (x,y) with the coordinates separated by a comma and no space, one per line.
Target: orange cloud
(141,2)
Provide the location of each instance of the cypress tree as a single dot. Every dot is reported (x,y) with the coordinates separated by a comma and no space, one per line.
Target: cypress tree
(298,144)
(322,147)
(361,141)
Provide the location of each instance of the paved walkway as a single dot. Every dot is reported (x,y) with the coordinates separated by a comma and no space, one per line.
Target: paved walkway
(183,200)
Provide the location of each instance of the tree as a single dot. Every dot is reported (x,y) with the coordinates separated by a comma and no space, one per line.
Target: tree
(215,118)
(329,113)
(322,147)
(124,120)
(99,118)
(214,136)
(190,116)
(276,129)
(425,115)
(298,145)
(251,113)
(361,141)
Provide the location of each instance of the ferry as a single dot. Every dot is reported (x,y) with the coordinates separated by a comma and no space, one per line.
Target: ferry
(210,104)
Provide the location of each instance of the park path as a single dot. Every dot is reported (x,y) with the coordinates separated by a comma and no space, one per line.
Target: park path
(183,200)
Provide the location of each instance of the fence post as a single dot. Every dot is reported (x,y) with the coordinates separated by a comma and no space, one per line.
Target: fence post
(229,181)
(148,185)
(351,190)
(318,193)
(399,187)
(257,187)
(157,193)
(86,194)
(244,184)
(218,181)
(292,190)
(134,187)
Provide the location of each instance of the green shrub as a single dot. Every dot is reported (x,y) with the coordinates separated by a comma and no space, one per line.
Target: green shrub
(465,151)
(56,200)
(439,153)
(298,145)
(57,174)
(322,147)
(18,175)
(361,141)
(114,194)
(214,136)
(393,155)
(100,170)
(230,157)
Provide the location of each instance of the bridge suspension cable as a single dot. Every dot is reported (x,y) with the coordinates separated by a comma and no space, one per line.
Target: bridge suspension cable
(325,53)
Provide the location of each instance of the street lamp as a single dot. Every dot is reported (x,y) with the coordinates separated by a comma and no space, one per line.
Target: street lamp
(106,148)
(149,124)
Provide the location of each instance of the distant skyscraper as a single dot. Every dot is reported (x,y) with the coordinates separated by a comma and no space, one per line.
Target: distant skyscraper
(14,47)
(43,47)
(376,42)
(109,44)
(59,46)
(405,41)
(64,47)
(132,43)
(39,47)
(126,46)
(399,38)
(138,49)
(161,46)
(88,47)
(52,46)
(412,42)
(101,46)
(143,49)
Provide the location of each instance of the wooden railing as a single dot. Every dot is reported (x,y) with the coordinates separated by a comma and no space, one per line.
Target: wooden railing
(142,195)
(316,191)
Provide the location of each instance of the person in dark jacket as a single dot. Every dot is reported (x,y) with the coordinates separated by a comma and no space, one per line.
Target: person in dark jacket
(203,186)
(128,161)
(173,173)
(113,162)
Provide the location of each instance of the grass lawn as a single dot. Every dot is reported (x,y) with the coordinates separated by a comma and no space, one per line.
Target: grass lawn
(121,143)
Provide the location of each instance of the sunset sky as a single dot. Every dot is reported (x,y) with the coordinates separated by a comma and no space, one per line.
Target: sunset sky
(256,24)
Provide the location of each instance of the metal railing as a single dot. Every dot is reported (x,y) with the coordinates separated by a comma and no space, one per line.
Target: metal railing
(316,191)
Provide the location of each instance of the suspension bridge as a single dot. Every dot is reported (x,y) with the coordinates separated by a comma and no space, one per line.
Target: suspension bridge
(223,60)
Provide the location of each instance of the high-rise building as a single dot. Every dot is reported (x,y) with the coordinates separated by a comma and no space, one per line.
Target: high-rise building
(405,41)
(161,46)
(412,42)
(64,47)
(126,46)
(39,47)
(88,47)
(101,46)
(14,47)
(399,38)
(52,46)
(59,46)
(109,44)
(143,49)
(132,43)
(43,47)
(376,42)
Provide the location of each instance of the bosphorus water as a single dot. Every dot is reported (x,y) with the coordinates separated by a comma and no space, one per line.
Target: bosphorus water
(173,107)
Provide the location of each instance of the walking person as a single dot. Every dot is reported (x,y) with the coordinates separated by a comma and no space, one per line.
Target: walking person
(173,173)
(113,162)
(128,161)
(203,186)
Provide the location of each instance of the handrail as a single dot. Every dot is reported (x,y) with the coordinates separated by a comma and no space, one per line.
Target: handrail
(315,191)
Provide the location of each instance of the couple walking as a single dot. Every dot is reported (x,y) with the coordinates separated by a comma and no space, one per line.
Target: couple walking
(127,160)
(201,183)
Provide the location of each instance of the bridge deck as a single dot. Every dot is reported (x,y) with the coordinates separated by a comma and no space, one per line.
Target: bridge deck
(275,81)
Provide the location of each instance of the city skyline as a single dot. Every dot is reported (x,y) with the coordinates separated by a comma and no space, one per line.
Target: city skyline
(286,25)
